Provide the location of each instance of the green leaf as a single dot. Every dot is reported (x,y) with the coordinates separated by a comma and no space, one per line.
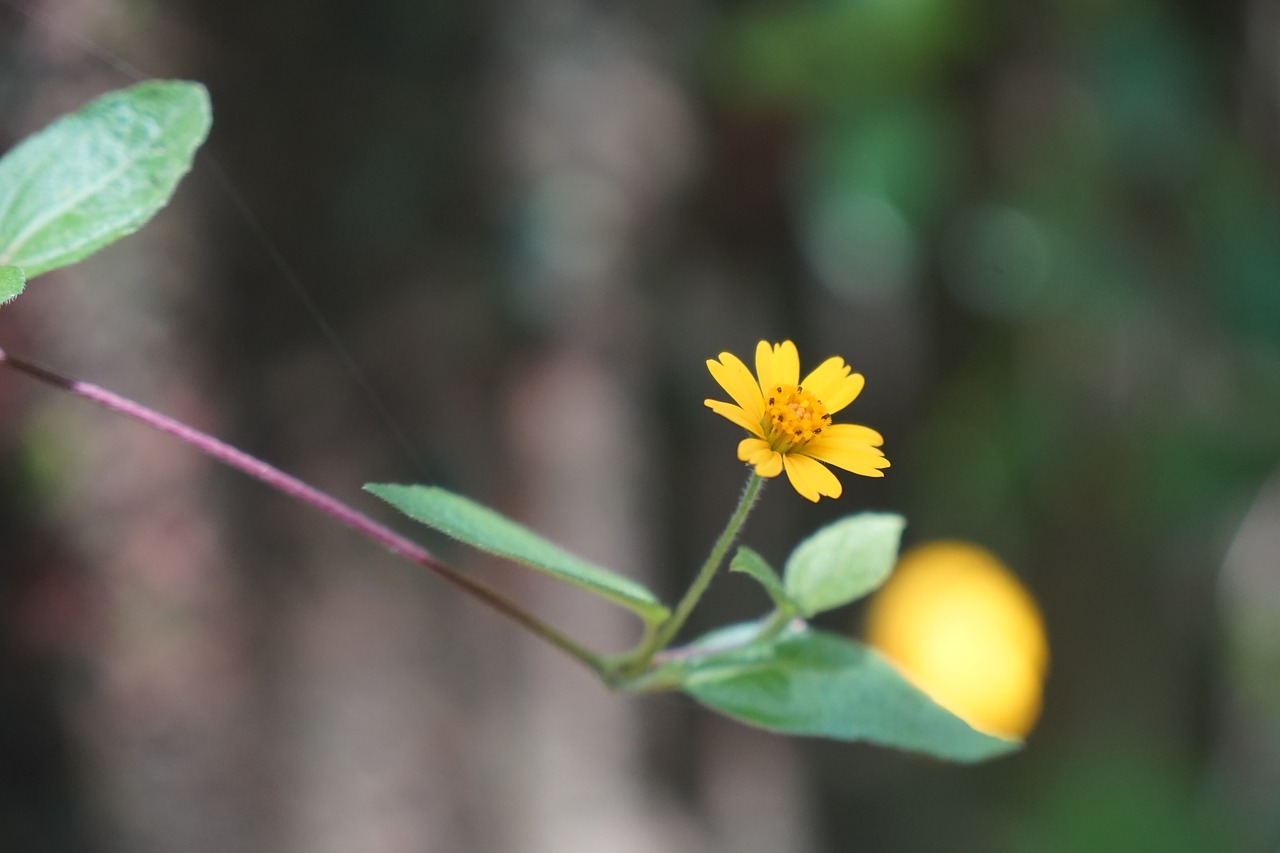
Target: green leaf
(752,564)
(483,528)
(12,280)
(809,682)
(843,561)
(99,173)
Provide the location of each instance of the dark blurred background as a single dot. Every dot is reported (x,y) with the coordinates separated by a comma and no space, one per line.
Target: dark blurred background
(1047,232)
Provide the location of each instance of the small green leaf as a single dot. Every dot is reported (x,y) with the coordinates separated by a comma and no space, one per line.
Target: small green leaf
(809,682)
(99,173)
(490,531)
(752,564)
(843,561)
(12,280)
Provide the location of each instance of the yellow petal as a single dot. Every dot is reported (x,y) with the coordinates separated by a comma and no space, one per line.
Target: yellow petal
(823,380)
(866,461)
(735,379)
(754,450)
(786,364)
(851,447)
(764,366)
(770,466)
(757,452)
(849,435)
(810,478)
(735,414)
(842,392)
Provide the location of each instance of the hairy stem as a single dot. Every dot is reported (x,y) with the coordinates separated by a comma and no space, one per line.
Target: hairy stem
(667,632)
(310,496)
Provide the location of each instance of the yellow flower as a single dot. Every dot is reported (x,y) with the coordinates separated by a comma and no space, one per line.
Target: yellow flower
(790,420)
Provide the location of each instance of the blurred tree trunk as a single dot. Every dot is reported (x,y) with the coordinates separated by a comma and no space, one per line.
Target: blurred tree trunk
(165,714)
(601,141)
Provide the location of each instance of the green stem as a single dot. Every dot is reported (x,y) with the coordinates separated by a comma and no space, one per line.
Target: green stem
(780,618)
(310,496)
(667,669)
(664,635)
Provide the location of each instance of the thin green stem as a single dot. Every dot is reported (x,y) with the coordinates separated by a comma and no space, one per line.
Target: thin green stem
(667,632)
(718,552)
(314,498)
(779,619)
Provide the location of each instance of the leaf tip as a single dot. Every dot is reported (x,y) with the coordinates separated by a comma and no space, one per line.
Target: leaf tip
(13,280)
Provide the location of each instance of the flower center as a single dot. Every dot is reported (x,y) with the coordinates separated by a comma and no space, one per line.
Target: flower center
(793,417)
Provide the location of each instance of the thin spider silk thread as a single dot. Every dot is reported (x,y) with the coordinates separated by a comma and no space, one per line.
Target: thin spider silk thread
(257,232)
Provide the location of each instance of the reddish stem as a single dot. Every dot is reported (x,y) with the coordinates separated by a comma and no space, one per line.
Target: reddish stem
(306,494)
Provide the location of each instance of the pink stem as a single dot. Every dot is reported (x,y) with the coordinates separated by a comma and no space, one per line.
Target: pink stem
(309,495)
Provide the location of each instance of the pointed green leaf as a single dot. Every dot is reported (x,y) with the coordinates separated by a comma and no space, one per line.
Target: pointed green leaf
(752,564)
(481,527)
(99,173)
(809,682)
(12,280)
(843,561)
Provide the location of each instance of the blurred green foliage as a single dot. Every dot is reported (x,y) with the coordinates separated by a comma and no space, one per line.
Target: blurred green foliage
(1074,180)
(1072,192)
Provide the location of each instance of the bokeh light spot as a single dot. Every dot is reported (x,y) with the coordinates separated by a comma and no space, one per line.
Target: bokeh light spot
(965,631)
(861,245)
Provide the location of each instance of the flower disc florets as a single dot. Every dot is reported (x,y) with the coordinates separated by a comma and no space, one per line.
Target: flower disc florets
(793,418)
